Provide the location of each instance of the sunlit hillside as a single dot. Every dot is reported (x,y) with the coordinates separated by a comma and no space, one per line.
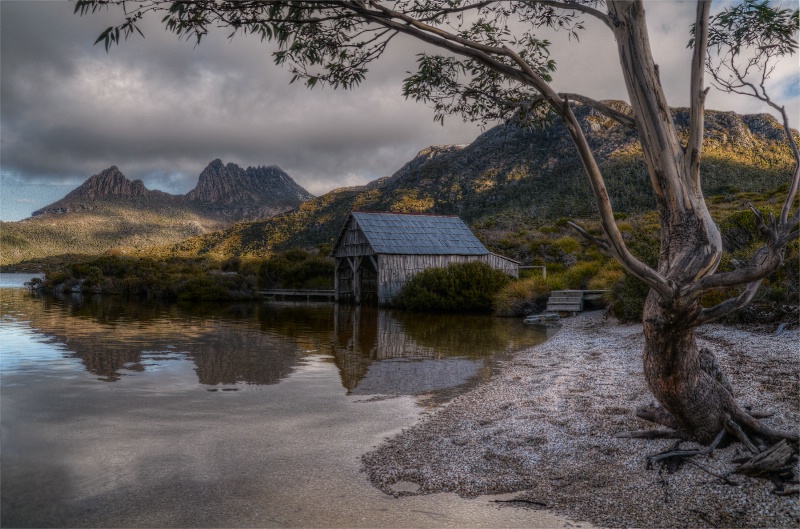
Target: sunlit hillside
(513,179)
(109,212)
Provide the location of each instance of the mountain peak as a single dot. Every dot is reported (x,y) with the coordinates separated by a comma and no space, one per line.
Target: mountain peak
(221,184)
(110,182)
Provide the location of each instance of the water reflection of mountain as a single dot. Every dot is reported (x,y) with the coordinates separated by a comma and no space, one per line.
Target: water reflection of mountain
(376,351)
(114,337)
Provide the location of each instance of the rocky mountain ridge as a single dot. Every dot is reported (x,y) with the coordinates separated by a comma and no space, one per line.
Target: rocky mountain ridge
(511,178)
(225,191)
(110,212)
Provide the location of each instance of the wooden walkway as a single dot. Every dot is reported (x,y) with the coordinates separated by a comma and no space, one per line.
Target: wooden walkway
(564,301)
(298,293)
(571,300)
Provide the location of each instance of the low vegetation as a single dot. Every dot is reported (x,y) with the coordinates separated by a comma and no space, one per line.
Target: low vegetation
(573,263)
(190,279)
(111,224)
(461,287)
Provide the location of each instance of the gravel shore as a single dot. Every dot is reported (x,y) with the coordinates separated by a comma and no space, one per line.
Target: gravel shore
(545,426)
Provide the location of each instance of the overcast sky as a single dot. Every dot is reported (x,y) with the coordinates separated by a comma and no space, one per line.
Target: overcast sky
(161,109)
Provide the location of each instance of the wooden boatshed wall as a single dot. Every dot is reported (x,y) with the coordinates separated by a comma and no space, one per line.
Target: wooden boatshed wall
(394,271)
(353,242)
(355,277)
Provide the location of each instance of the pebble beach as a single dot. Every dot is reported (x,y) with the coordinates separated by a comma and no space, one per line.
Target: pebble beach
(544,428)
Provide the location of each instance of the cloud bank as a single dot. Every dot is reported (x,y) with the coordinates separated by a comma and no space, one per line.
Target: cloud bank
(161,109)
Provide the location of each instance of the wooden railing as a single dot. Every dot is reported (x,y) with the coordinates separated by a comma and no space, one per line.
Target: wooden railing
(298,293)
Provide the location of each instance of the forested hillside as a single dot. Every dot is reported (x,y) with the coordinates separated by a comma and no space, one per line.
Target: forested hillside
(512,179)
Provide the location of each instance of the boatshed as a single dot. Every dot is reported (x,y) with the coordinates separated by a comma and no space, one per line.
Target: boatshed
(377,253)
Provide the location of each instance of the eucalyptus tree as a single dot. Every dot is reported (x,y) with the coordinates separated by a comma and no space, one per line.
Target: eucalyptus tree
(490,62)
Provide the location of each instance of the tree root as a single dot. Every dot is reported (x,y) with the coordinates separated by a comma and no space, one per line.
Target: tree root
(759,414)
(776,463)
(749,421)
(650,434)
(736,430)
(674,457)
(656,414)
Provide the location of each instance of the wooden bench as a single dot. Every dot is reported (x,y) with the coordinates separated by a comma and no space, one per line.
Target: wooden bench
(565,301)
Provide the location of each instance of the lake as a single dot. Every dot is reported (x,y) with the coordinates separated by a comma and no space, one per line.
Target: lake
(147,414)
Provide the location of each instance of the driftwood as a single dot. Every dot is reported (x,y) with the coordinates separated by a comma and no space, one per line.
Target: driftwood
(520,500)
(775,459)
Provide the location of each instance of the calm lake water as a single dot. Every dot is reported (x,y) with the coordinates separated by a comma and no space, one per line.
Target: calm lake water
(147,414)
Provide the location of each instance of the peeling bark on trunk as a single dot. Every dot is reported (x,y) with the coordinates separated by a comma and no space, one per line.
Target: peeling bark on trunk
(685,379)
(691,245)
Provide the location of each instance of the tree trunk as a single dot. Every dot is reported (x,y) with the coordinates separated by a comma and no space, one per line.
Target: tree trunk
(685,379)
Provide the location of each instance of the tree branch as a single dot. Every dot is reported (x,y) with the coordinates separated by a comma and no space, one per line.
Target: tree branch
(453,10)
(482,53)
(600,243)
(765,261)
(728,306)
(694,145)
(601,107)
(574,6)
(789,202)
(424,28)
(616,244)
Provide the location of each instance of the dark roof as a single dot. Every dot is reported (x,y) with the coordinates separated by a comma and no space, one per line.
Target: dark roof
(413,234)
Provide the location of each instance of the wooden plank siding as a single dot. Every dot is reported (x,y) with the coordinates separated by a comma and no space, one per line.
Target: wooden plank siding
(353,242)
(397,270)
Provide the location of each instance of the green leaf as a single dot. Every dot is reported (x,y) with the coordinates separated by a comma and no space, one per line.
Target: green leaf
(104,35)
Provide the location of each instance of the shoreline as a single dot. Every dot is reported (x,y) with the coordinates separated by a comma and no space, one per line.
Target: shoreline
(544,427)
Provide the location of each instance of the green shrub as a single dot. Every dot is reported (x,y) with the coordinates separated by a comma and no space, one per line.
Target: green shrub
(606,277)
(296,255)
(462,287)
(201,288)
(577,277)
(296,269)
(627,297)
(529,295)
(567,245)
(56,277)
(228,286)
(94,277)
(313,272)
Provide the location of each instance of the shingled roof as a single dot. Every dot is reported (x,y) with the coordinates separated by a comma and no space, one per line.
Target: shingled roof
(414,234)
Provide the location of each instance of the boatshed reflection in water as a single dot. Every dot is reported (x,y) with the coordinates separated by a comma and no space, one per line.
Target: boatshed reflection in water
(376,350)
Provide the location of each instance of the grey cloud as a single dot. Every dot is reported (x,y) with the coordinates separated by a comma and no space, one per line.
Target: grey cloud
(156,106)
(161,109)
